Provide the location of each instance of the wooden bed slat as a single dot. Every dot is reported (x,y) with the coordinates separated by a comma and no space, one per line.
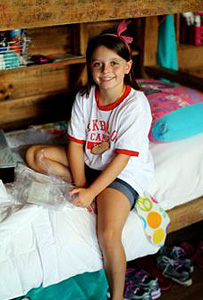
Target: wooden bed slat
(32,106)
(40,13)
(186,214)
(176,76)
(38,109)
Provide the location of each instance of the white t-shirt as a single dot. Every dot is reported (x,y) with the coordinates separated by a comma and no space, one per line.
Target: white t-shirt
(124,125)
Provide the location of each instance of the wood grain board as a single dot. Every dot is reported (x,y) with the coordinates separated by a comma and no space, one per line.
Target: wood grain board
(186,214)
(40,13)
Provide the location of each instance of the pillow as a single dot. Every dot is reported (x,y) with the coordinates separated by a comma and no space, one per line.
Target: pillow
(155,219)
(177,111)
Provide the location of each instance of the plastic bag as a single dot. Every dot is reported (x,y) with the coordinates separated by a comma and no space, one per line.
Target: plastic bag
(155,219)
(7,162)
(35,188)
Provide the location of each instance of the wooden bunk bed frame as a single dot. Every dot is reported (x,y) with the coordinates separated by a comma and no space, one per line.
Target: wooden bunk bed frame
(23,109)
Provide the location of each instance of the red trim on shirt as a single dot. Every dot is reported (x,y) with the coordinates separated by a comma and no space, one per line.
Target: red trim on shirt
(75,140)
(116,103)
(127,152)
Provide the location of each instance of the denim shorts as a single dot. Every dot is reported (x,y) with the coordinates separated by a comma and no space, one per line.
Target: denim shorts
(117,184)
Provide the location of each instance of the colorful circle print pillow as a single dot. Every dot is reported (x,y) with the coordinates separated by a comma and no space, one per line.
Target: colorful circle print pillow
(155,220)
(177,111)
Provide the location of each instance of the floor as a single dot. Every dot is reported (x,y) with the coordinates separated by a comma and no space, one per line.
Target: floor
(191,234)
(193,292)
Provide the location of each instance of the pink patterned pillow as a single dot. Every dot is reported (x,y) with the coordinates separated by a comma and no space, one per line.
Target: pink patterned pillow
(177,111)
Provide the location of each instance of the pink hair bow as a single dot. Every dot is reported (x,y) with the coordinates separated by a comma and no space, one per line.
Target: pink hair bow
(121,28)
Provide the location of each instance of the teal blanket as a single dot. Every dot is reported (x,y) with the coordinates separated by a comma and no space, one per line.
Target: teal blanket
(167,48)
(87,286)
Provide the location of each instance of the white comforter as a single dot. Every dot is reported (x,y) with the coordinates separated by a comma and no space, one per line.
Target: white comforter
(45,246)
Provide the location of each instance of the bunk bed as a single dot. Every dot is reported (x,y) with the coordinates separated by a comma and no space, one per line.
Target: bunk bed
(23,110)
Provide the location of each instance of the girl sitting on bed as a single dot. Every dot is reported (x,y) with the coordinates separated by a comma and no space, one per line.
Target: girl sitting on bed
(107,154)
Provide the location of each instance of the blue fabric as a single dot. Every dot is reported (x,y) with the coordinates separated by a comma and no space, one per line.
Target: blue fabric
(11,59)
(179,124)
(87,286)
(167,48)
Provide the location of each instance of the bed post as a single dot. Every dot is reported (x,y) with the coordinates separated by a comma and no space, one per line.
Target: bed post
(150,41)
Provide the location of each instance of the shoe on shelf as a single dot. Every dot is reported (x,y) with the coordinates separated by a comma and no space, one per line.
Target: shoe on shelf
(170,268)
(148,263)
(142,279)
(133,292)
(179,255)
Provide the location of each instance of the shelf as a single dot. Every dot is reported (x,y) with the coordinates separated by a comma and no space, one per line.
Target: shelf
(69,60)
(59,62)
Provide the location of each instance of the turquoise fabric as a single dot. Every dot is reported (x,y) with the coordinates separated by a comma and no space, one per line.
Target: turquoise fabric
(11,59)
(167,48)
(179,124)
(87,286)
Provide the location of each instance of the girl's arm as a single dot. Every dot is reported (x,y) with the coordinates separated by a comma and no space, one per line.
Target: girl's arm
(86,196)
(76,163)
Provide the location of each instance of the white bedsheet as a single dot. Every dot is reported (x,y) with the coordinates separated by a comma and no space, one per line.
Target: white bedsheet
(45,246)
(178,171)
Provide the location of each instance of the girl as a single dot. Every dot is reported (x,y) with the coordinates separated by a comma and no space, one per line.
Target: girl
(108,154)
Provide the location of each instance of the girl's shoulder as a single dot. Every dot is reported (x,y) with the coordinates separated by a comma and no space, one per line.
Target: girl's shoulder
(137,98)
(137,93)
(135,104)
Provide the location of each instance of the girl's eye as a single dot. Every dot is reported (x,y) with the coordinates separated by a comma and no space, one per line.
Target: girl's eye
(113,63)
(97,64)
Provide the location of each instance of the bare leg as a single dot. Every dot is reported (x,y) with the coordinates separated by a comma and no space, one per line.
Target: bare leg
(48,159)
(113,209)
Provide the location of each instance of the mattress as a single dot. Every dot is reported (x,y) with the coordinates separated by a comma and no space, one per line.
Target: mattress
(178,174)
(43,246)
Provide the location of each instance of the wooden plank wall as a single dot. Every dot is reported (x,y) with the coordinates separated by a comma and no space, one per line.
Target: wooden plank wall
(29,93)
(39,13)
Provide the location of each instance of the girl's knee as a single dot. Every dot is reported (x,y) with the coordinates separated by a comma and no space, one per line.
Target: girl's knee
(34,156)
(108,238)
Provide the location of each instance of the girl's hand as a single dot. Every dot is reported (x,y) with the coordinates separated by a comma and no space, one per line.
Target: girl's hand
(83,197)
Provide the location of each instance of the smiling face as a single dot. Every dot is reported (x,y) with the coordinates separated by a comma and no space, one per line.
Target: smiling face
(108,69)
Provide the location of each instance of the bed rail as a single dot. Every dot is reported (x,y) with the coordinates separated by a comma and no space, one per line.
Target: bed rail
(40,13)
(178,76)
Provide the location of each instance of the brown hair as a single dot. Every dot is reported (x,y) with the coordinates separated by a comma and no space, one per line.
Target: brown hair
(119,47)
